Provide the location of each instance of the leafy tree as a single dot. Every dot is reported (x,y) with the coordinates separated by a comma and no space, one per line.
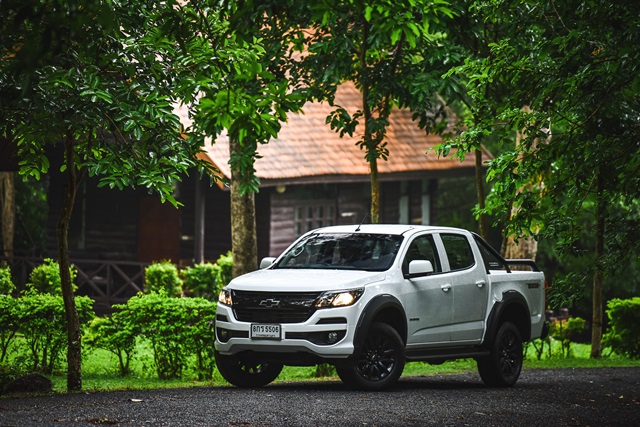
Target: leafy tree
(97,80)
(382,46)
(575,65)
(248,106)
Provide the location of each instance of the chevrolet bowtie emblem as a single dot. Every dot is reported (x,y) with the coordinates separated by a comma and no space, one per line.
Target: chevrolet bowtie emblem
(269,303)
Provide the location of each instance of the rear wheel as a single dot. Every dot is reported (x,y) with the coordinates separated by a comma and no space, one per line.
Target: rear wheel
(378,364)
(503,366)
(243,370)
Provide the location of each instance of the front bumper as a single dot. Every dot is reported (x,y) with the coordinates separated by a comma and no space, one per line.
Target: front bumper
(327,334)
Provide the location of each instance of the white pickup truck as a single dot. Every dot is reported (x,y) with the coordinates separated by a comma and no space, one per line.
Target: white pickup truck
(369,298)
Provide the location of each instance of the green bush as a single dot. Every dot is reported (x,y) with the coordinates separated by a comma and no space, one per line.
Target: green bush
(42,323)
(566,331)
(176,328)
(9,324)
(201,280)
(163,276)
(226,269)
(117,334)
(624,335)
(45,278)
(6,283)
(205,280)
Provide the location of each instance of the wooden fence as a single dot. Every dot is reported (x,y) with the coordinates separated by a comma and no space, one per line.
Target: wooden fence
(106,282)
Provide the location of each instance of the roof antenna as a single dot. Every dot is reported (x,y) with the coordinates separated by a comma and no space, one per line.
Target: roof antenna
(363,220)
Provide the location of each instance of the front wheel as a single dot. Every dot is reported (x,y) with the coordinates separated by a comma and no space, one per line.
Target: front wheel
(245,371)
(503,366)
(378,364)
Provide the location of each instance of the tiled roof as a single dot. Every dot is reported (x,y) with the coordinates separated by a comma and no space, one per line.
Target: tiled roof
(307,150)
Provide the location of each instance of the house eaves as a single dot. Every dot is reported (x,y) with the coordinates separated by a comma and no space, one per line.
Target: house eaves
(307,151)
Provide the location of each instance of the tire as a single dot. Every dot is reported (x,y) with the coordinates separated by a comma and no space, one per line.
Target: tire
(245,371)
(378,364)
(503,366)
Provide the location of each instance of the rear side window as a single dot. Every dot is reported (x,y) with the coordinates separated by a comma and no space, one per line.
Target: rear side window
(458,251)
(491,261)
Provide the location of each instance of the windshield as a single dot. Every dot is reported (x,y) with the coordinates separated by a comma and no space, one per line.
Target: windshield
(370,252)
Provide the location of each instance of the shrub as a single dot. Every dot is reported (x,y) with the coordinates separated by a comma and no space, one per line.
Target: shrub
(45,278)
(117,334)
(200,316)
(163,276)
(9,324)
(206,280)
(202,279)
(226,269)
(6,283)
(176,328)
(565,331)
(42,322)
(624,335)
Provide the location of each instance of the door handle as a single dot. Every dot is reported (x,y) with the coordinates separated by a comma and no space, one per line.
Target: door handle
(480,283)
(446,287)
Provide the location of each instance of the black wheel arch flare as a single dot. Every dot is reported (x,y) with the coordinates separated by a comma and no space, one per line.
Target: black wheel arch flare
(513,308)
(383,308)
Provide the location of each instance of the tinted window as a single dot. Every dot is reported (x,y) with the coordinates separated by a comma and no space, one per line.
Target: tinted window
(458,251)
(372,252)
(422,248)
(491,261)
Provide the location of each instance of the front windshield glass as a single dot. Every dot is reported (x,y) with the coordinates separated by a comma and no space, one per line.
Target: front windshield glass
(370,252)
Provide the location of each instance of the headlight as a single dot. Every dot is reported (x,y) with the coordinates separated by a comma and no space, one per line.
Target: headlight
(339,298)
(225,297)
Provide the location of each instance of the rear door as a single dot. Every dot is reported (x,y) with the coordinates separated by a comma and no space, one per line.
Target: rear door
(469,288)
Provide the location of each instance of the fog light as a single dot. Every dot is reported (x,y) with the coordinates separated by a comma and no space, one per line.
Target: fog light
(332,337)
(223,335)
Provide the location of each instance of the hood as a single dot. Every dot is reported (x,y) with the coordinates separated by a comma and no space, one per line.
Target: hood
(304,280)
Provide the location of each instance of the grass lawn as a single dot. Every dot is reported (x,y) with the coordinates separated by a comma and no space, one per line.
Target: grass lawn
(100,369)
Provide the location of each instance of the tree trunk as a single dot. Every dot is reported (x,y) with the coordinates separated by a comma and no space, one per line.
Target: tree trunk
(375,192)
(74,346)
(243,222)
(598,276)
(482,219)
(526,247)
(7,206)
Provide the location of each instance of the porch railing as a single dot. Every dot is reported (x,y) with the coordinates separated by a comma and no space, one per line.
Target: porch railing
(106,282)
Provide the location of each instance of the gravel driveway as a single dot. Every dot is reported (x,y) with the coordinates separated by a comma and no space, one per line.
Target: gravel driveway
(568,397)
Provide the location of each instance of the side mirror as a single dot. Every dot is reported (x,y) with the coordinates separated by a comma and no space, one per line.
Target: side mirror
(420,268)
(267,262)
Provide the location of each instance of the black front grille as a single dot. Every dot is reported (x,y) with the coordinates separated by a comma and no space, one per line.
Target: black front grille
(273,307)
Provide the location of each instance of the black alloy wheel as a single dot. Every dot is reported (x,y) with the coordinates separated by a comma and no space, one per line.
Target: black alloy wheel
(503,366)
(379,363)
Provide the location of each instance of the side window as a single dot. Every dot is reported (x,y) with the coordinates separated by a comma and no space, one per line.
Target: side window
(423,248)
(491,261)
(458,251)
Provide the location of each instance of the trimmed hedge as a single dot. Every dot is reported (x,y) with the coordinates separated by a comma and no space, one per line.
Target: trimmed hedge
(624,334)
(180,332)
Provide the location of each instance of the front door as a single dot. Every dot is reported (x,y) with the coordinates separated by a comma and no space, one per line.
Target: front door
(429,299)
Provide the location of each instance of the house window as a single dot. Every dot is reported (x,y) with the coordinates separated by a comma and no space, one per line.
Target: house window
(309,217)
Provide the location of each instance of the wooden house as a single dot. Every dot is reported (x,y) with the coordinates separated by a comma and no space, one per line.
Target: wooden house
(310,177)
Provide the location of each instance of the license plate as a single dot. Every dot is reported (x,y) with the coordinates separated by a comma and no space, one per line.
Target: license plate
(266,331)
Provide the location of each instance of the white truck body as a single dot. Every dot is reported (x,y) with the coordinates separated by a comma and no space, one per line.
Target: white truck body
(443,291)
